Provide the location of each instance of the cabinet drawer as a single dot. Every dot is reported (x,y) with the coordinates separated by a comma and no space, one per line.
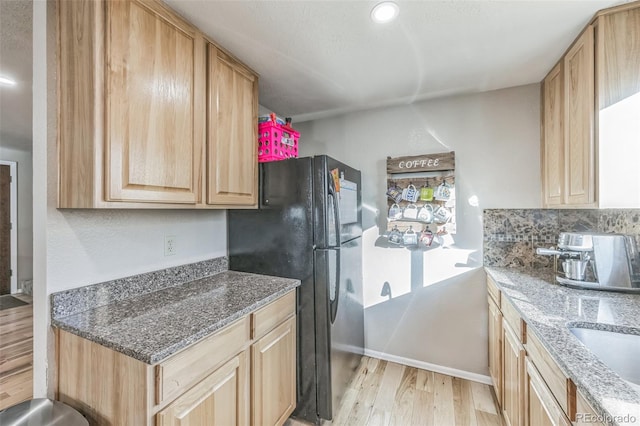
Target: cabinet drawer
(183,370)
(562,388)
(493,290)
(512,317)
(273,314)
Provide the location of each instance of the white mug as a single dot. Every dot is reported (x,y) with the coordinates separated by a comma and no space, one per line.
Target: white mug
(442,214)
(395,212)
(426,213)
(410,212)
(410,238)
(442,192)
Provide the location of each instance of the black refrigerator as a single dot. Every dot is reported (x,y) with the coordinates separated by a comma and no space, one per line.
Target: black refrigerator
(309,227)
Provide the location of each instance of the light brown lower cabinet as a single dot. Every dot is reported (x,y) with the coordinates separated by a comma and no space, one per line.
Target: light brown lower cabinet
(220,399)
(513,377)
(585,414)
(273,361)
(530,387)
(243,374)
(542,409)
(495,348)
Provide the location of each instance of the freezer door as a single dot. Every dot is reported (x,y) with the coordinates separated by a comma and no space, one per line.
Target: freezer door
(276,239)
(339,322)
(333,206)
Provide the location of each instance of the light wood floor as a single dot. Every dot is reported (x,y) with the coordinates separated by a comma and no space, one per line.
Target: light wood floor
(381,392)
(386,393)
(16,354)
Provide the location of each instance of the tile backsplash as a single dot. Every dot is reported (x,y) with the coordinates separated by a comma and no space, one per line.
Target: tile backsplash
(511,236)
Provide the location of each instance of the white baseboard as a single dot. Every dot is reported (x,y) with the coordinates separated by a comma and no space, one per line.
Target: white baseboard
(474,377)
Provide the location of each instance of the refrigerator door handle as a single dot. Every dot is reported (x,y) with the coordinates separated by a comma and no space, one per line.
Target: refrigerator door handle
(333,303)
(336,208)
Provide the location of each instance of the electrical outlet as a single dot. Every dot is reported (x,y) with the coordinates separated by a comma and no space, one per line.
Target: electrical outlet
(170,247)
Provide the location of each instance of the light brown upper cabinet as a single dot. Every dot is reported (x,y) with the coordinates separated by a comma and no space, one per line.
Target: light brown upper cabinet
(618,107)
(589,116)
(133,120)
(232,166)
(568,154)
(153,132)
(618,47)
(553,138)
(578,128)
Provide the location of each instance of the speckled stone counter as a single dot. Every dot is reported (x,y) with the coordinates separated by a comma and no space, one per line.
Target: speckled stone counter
(550,309)
(151,327)
(76,300)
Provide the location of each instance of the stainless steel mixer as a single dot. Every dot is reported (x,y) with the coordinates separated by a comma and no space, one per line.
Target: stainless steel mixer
(596,261)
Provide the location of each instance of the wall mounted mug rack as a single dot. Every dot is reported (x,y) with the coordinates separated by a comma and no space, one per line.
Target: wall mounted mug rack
(420,197)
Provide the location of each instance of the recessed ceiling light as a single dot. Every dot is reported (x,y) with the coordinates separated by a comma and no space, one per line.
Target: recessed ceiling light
(6,81)
(384,12)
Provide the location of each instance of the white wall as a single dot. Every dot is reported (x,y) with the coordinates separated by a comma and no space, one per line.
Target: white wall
(90,246)
(437,310)
(618,153)
(23,159)
(82,247)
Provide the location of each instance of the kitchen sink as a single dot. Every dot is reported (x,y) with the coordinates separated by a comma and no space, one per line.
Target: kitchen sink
(618,351)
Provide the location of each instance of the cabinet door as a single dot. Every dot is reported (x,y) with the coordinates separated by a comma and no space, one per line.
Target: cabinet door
(553,138)
(541,407)
(618,56)
(585,414)
(495,349)
(154,129)
(579,124)
(232,132)
(513,377)
(273,366)
(220,399)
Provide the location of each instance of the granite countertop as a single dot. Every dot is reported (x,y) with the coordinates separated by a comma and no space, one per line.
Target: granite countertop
(550,309)
(153,326)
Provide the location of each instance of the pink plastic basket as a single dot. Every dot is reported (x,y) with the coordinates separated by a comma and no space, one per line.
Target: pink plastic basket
(276,142)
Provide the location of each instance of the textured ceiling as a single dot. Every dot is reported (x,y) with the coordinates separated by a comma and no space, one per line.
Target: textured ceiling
(16,59)
(319,58)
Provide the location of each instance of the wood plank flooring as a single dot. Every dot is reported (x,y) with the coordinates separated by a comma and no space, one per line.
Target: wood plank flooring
(16,354)
(390,394)
(381,392)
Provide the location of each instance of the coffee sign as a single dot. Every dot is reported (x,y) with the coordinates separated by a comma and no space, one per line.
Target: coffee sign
(425,162)
(421,163)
